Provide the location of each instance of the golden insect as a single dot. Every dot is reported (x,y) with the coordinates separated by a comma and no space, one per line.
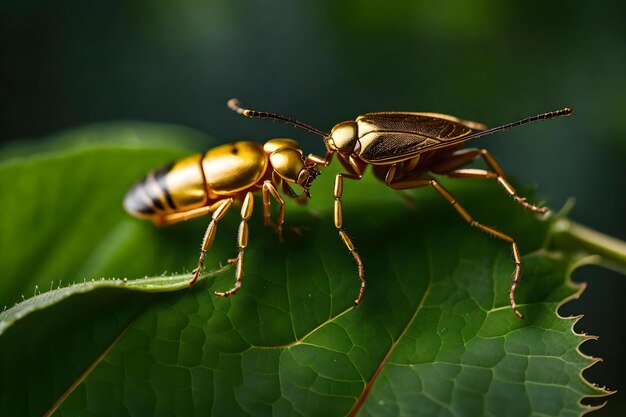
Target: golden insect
(211,183)
(402,147)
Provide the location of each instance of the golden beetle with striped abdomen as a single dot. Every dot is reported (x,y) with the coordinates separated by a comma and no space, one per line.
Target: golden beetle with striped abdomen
(201,184)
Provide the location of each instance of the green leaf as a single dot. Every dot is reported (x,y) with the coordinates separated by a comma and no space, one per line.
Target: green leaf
(435,334)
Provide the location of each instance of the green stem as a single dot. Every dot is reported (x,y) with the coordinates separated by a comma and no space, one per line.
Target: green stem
(573,237)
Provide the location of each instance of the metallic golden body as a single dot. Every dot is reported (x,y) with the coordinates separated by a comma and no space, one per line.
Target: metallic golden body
(234,167)
(211,183)
(185,183)
(403,148)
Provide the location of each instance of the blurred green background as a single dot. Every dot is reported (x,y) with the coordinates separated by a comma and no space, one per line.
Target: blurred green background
(70,63)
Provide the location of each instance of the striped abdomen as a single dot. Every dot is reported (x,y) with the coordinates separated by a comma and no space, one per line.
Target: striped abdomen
(177,187)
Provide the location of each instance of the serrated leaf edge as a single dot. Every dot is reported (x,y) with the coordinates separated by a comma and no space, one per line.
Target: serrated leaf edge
(580,288)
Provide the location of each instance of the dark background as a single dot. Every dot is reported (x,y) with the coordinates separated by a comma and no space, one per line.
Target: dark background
(69,63)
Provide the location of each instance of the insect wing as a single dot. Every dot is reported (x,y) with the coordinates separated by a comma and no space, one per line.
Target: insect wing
(393,136)
(393,146)
(418,117)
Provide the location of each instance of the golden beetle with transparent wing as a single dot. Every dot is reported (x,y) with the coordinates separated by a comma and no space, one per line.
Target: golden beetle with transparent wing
(402,147)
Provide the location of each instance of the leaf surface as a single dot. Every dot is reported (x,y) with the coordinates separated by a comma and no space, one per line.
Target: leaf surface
(434,335)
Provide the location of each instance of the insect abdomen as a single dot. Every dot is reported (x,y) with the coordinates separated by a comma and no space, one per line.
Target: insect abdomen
(233,167)
(179,186)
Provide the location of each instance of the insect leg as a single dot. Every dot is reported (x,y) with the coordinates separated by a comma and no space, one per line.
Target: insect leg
(183,216)
(480,173)
(457,159)
(242,241)
(421,182)
(318,160)
(404,183)
(338,191)
(516,256)
(270,190)
(209,235)
(355,169)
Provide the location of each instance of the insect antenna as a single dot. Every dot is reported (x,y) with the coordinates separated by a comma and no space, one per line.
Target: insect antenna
(544,116)
(235,106)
